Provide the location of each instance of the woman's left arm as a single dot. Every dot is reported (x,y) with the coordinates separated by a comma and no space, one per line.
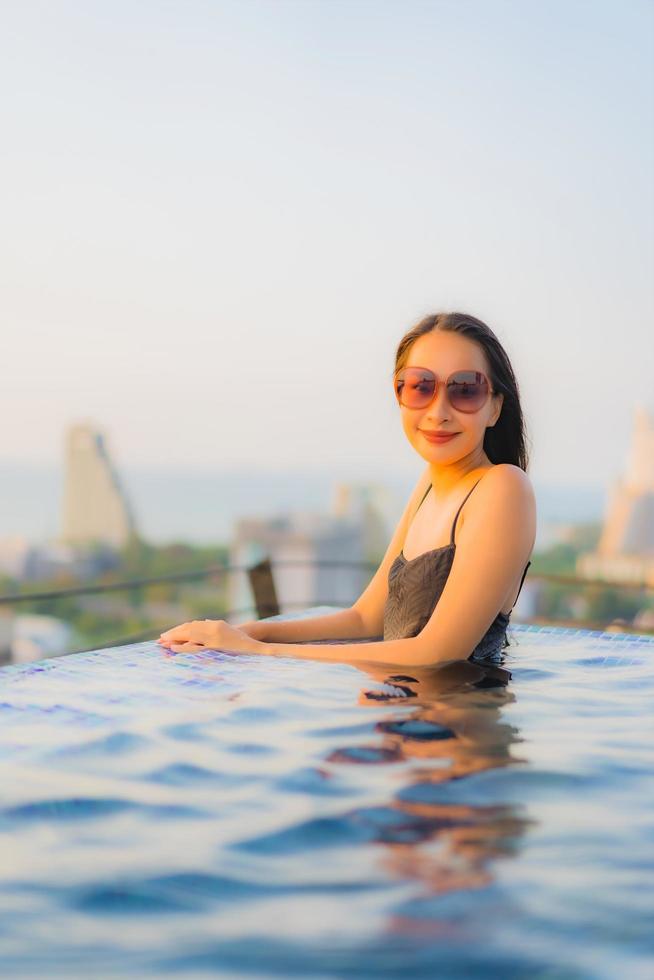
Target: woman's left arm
(493,545)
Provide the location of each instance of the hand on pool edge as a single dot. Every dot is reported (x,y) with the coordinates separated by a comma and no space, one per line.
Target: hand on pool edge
(208,634)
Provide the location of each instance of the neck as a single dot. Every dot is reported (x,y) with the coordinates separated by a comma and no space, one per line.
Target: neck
(444,478)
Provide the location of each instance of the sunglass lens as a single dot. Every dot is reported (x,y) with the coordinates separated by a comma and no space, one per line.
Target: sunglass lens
(415,389)
(467,391)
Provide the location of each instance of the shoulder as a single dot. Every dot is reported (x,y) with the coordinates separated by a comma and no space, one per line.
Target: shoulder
(503,490)
(506,492)
(501,513)
(506,478)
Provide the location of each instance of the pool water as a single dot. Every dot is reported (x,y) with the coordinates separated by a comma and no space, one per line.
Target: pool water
(222,815)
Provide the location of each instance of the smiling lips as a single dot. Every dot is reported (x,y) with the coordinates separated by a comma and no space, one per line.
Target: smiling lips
(439,436)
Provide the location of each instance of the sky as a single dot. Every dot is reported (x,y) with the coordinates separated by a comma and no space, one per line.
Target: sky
(219,219)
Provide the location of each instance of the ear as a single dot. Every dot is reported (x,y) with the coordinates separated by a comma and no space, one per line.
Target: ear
(497,409)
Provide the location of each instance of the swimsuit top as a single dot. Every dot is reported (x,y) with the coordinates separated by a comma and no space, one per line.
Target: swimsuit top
(415,586)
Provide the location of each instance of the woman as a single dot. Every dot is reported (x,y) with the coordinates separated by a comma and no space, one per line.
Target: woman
(455,565)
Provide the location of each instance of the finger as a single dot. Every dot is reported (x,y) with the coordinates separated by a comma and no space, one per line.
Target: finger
(186,647)
(181,634)
(173,629)
(170,644)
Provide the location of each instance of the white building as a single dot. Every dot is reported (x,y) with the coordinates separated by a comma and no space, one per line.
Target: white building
(625,551)
(95,508)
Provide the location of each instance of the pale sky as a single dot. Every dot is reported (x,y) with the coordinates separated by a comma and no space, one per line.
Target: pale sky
(219,218)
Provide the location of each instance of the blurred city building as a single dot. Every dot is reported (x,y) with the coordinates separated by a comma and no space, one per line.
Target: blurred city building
(625,551)
(27,637)
(355,531)
(95,506)
(34,637)
(15,556)
(308,541)
(372,507)
(27,562)
(551,533)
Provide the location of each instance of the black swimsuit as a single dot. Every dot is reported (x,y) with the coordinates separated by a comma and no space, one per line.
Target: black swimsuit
(415,586)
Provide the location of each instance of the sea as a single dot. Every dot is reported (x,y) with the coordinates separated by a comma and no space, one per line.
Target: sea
(202,508)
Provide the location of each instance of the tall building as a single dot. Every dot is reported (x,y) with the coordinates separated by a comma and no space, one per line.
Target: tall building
(625,551)
(95,508)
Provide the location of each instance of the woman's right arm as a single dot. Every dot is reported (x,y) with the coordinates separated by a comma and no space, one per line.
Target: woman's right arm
(365,617)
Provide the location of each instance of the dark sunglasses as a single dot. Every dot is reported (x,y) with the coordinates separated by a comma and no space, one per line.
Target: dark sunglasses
(416,387)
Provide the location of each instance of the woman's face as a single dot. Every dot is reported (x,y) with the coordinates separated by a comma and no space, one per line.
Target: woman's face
(444,352)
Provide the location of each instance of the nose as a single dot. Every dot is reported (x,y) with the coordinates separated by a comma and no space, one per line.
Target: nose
(440,409)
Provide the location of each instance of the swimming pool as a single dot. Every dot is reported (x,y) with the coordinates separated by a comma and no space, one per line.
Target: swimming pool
(232,815)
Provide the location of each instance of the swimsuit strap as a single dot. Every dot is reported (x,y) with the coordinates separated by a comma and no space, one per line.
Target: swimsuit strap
(521,583)
(420,504)
(459,510)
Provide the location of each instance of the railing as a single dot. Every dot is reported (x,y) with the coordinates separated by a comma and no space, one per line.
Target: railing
(172,579)
(267,606)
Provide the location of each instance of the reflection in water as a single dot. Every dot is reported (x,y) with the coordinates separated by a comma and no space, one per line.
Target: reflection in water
(446,722)
(450,727)
(171,816)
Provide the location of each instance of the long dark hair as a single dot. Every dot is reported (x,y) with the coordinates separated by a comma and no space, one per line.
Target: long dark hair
(506,441)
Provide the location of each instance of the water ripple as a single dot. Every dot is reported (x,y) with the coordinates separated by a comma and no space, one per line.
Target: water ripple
(224,816)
